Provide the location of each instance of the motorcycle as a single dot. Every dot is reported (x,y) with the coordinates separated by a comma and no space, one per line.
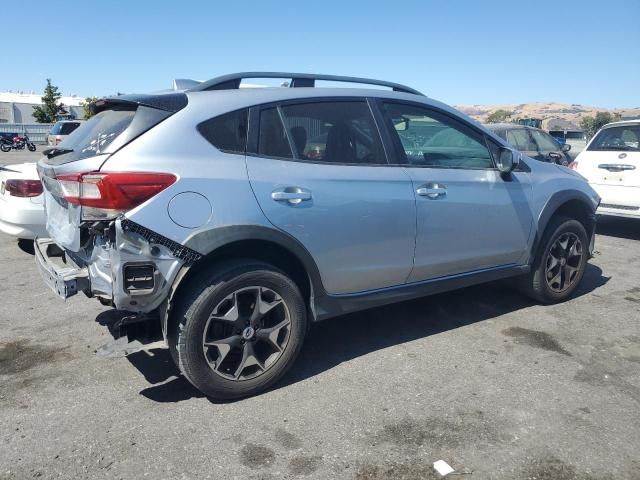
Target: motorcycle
(17,143)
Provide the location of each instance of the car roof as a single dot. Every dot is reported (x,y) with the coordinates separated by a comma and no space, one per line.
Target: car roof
(229,100)
(622,123)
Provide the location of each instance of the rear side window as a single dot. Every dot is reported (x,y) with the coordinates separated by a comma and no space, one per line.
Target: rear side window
(227,132)
(545,142)
(521,140)
(272,140)
(333,132)
(618,139)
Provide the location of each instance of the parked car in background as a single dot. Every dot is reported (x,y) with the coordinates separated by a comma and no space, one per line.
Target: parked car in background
(611,164)
(61,130)
(533,142)
(576,138)
(21,202)
(205,214)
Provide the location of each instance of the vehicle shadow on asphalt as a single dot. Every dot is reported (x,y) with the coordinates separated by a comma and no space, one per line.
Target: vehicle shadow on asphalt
(625,228)
(344,338)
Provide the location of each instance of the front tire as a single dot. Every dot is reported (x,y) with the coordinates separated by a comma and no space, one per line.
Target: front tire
(237,329)
(560,262)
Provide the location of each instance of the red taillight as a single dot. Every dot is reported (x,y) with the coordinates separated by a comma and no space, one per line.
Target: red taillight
(112,192)
(23,188)
(573,165)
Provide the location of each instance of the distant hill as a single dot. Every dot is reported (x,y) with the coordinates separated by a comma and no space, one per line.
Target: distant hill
(554,115)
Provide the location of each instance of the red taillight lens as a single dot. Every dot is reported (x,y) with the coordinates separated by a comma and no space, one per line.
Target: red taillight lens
(23,188)
(573,165)
(113,192)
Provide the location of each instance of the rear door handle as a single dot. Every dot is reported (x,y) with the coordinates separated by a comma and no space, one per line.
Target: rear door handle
(432,190)
(292,195)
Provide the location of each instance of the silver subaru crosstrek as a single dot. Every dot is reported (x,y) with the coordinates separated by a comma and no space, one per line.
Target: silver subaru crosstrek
(229,219)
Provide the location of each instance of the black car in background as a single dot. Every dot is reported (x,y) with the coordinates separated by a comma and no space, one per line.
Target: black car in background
(533,142)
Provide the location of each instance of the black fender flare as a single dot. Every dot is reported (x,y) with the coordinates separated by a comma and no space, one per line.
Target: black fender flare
(551,207)
(208,241)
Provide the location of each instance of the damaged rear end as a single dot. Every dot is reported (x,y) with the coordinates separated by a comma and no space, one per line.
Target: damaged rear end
(93,246)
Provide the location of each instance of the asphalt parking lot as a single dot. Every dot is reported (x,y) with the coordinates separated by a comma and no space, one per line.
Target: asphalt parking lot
(481,378)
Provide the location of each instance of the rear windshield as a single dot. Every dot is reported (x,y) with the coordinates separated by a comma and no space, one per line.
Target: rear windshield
(108,131)
(617,139)
(95,136)
(64,128)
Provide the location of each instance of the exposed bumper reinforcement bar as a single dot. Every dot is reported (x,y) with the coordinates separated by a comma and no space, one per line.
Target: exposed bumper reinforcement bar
(63,279)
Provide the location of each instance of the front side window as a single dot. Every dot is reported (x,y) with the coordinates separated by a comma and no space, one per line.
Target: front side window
(521,140)
(618,139)
(333,132)
(545,142)
(435,140)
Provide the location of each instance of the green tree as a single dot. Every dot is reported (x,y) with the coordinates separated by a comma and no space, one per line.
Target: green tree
(86,107)
(590,125)
(499,116)
(50,107)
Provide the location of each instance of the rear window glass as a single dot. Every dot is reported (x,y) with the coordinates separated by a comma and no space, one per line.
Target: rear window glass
(95,136)
(618,139)
(64,128)
(227,132)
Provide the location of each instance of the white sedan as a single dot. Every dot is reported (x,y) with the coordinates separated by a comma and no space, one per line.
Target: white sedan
(21,202)
(611,164)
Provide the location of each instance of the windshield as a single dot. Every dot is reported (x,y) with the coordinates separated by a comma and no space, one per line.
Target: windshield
(617,139)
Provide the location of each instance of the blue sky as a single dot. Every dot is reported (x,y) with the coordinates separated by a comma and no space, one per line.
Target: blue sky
(460,52)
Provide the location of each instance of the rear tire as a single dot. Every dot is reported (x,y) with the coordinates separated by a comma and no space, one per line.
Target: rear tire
(237,328)
(5,148)
(559,263)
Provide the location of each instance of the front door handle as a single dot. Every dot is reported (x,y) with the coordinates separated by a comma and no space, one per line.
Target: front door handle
(292,195)
(432,190)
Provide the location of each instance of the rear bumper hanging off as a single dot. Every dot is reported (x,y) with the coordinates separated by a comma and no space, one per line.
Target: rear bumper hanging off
(64,280)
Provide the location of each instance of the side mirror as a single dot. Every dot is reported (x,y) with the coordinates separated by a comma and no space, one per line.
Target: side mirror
(566,147)
(507,160)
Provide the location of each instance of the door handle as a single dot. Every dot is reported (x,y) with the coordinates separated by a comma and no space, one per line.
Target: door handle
(292,195)
(432,190)
(616,167)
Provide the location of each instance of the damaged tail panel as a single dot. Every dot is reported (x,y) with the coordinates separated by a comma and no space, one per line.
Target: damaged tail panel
(127,265)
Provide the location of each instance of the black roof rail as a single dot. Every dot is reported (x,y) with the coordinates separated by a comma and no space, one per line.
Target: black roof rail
(232,81)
